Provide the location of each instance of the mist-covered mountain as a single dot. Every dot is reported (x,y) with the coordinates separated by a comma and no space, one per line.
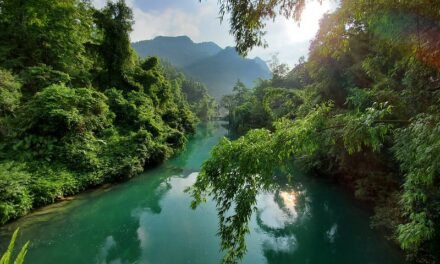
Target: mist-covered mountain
(218,68)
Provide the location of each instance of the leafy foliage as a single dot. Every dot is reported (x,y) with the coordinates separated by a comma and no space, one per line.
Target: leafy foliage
(36,78)
(6,257)
(58,111)
(9,93)
(15,198)
(248,163)
(261,106)
(417,149)
(196,93)
(115,21)
(200,102)
(248,19)
(78,108)
(363,109)
(42,32)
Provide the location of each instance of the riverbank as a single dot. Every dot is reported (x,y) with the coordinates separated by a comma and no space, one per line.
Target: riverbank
(148,220)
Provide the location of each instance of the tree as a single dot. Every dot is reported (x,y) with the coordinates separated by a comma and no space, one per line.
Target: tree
(363,109)
(115,22)
(248,19)
(45,32)
(77,107)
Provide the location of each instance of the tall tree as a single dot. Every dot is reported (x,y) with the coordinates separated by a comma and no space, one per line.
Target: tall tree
(115,21)
(34,32)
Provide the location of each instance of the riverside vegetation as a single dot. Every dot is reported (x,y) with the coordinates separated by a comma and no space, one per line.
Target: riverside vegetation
(363,109)
(78,108)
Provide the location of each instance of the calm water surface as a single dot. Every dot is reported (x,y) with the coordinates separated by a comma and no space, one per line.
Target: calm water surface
(148,220)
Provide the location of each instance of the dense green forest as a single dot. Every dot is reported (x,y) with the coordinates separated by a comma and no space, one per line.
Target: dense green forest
(363,109)
(78,108)
(201,103)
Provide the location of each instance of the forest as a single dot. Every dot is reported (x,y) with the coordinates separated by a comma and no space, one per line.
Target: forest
(362,109)
(78,108)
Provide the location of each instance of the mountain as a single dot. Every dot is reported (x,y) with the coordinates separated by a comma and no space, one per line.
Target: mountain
(180,51)
(221,71)
(218,68)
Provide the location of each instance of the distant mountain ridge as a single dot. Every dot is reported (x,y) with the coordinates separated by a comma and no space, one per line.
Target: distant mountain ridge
(207,62)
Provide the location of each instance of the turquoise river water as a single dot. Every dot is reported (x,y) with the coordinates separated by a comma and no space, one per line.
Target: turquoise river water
(148,220)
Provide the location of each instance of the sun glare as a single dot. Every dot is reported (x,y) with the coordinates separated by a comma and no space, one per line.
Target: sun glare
(309,24)
(289,199)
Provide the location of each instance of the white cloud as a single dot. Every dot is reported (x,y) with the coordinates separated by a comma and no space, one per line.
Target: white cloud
(201,23)
(171,22)
(99,3)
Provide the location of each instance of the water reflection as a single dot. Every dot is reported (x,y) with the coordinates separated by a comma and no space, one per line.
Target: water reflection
(104,252)
(276,213)
(289,200)
(177,234)
(331,233)
(148,220)
(313,223)
(284,244)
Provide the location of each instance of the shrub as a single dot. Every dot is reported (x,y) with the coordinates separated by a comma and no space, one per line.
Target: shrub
(58,110)
(39,77)
(9,93)
(15,199)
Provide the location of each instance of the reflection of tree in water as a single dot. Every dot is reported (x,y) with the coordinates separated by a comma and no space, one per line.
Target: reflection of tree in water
(149,198)
(299,215)
(292,200)
(303,239)
(127,241)
(207,129)
(330,228)
(205,133)
(126,244)
(109,219)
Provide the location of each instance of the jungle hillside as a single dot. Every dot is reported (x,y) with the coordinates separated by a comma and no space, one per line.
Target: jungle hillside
(78,107)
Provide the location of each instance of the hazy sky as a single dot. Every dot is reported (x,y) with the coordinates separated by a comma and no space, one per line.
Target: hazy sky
(199,21)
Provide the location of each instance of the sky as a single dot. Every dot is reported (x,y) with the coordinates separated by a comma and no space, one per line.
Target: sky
(200,21)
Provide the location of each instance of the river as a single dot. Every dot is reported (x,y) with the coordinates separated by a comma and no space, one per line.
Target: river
(148,220)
